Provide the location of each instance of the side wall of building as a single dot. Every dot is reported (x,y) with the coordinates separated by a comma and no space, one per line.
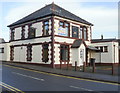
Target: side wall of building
(112,56)
(5,56)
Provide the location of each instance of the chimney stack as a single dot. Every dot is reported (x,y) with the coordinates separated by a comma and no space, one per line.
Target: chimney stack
(101,36)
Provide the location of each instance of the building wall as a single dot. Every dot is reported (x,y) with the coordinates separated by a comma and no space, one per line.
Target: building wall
(72,23)
(106,57)
(6,55)
(38,25)
(21,45)
(79,55)
(21,52)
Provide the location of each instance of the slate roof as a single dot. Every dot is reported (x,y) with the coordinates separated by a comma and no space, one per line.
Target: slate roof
(104,40)
(2,40)
(92,48)
(76,44)
(51,9)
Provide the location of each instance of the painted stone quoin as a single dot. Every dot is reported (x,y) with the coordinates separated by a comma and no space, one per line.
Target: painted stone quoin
(51,36)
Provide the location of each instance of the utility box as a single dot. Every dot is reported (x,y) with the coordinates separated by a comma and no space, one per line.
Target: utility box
(92,61)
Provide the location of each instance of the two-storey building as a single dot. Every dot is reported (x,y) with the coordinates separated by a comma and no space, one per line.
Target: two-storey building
(50,36)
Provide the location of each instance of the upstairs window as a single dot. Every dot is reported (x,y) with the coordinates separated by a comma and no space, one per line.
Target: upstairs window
(63,29)
(23,32)
(85,33)
(64,52)
(81,32)
(12,34)
(29,53)
(101,49)
(1,50)
(46,28)
(61,24)
(31,33)
(75,32)
(45,53)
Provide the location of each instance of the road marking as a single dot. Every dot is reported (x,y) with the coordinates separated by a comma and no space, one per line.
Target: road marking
(11,88)
(85,89)
(28,76)
(63,76)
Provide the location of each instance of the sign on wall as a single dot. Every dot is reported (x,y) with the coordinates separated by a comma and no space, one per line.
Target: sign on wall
(81,53)
(62,31)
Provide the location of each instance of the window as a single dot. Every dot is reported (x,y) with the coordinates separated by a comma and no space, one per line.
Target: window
(46,27)
(81,32)
(11,53)
(96,47)
(64,28)
(85,33)
(23,32)
(31,33)
(29,53)
(1,50)
(45,52)
(105,48)
(75,32)
(101,49)
(64,52)
(61,24)
(12,34)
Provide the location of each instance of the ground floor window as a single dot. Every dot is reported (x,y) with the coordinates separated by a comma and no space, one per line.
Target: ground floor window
(1,50)
(45,52)
(29,53)
(64,52)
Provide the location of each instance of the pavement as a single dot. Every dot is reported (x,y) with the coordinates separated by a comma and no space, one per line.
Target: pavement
(77,74)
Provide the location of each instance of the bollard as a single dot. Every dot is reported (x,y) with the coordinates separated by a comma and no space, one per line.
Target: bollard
(67,65)
(75,65)
(93,67)
(113,69)
(60,65)
(84,66)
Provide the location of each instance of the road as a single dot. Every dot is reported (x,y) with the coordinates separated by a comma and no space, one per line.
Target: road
(21,79)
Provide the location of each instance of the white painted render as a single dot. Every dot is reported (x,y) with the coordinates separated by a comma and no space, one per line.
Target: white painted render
(78,56)
(6,55)
(106,57)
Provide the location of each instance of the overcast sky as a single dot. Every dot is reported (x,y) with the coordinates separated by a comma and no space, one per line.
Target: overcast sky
(104,15)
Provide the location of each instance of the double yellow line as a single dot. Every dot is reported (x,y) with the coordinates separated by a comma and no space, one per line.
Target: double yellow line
(10,88)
